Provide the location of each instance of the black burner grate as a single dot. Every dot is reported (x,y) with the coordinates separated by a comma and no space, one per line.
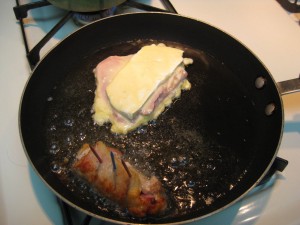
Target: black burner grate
(292,6)
(33,55)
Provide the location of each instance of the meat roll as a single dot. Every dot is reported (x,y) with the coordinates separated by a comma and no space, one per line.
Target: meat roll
(103,168)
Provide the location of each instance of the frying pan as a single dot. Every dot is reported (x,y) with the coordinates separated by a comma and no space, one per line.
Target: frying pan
(209,149)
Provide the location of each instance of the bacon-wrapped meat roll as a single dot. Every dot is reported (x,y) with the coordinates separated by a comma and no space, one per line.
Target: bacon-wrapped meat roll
(117,180)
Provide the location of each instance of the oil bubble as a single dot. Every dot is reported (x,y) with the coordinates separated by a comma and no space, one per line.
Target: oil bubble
(152,123)
(173,160)
(142,130)
(182,160)
(191,184)
(49,99)
(179,147)
(69,140)
(82,112)
(165,179)
(82,136)
(54,148)
(52,128)
(56,168)
(69,122)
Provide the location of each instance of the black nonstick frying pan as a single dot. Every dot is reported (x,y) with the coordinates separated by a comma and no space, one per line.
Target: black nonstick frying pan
(209,149)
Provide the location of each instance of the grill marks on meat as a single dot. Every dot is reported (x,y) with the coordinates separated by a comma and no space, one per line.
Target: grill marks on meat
(139,194)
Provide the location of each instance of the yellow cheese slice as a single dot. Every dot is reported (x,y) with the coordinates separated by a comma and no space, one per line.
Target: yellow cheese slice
(146,70)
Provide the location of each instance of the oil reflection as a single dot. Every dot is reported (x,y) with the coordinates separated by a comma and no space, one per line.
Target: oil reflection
(245,211)
(46,199)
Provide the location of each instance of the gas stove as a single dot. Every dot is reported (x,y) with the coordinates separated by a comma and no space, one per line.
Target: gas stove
(265,27)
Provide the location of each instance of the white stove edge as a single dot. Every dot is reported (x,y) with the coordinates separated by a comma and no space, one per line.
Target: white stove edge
(25,199)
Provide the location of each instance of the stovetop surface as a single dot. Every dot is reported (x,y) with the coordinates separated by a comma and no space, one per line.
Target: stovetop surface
(263,26)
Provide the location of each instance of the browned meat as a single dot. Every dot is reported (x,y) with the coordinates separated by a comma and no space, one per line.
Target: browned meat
(119,181)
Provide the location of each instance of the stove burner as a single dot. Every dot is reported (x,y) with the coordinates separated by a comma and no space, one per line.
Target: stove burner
(292,6)
(84,18)
(33,55)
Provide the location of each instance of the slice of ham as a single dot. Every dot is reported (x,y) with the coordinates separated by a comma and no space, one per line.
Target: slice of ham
(164,90)
(104,73)
(124,185)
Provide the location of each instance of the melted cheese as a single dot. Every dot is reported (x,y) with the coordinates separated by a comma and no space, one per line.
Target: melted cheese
(146,70)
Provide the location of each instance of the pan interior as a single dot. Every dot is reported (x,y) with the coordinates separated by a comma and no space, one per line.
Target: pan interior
(200,148)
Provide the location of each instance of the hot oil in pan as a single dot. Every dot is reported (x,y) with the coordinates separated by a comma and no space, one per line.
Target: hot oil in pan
(198,148)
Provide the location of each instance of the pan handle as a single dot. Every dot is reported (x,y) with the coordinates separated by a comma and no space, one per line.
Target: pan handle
(279,164)
(289,86)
